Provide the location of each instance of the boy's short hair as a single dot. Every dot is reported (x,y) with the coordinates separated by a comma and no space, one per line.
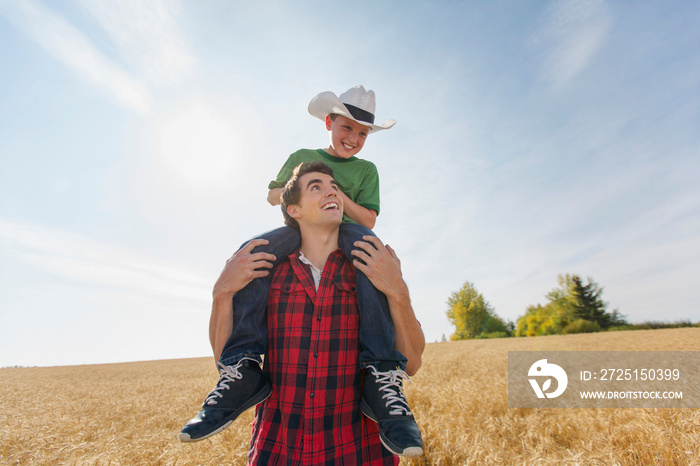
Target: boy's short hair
(291,193)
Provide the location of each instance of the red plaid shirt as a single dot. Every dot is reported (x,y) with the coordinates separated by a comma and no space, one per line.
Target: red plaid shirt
(313,415)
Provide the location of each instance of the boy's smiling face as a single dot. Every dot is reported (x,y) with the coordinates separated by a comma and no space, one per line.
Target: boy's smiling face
(347,136)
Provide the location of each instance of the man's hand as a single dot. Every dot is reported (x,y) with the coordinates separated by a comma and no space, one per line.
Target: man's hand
(241,269)
(383,265)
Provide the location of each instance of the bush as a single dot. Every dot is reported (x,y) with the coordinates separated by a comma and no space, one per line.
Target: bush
(483,336)
(654,325)
(620,328)
(581,326)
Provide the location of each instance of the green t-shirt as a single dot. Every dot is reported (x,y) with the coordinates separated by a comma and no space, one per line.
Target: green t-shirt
(357,178)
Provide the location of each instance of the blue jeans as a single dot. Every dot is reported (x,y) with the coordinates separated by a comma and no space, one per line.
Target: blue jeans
(249,335)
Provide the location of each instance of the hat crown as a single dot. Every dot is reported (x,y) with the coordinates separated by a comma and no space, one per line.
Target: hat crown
(359,97)
(356,103)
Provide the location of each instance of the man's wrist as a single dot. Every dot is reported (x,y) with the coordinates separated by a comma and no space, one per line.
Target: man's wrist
(399,295)
(222,296)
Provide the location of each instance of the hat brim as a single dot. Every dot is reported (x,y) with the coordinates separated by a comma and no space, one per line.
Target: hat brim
(327,102)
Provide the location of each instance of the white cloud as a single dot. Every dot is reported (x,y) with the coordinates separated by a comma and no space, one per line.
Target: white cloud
(68,45)
(147,35)
(80,258)
(572,34)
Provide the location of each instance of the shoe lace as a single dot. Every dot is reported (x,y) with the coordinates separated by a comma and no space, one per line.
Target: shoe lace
(390,382)
(227,375)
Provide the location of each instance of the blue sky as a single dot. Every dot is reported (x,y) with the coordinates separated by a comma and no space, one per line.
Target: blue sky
(137,139)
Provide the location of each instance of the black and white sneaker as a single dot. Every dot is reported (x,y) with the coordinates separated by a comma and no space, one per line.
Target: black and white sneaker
(240,387)
(384,402)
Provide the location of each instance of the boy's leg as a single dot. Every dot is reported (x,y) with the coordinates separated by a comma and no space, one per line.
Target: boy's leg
(376,326)
(242,384)
(383,399)
(249,335)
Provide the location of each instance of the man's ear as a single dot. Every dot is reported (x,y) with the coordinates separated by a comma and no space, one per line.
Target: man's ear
(293,211)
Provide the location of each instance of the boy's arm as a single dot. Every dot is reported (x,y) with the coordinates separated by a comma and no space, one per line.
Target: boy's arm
(363,207)
(273,196)
(276,186)
(239,270)
(384,271)
(357,213)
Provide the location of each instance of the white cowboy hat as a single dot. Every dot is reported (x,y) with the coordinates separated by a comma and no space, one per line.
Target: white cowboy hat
(356,103)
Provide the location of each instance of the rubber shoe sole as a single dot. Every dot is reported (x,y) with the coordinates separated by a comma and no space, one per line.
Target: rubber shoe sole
(410,452)
(259,397)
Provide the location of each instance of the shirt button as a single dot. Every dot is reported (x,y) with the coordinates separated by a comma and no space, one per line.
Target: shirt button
(318,318)
(315,355)
(312,394)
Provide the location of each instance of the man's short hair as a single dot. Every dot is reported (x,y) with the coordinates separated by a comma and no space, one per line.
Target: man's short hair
(291,193)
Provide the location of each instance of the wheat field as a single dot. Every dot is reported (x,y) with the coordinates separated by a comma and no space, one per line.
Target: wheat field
(130,414)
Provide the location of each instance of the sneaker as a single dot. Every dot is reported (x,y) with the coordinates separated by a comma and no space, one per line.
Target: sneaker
(240,387)
(384,402)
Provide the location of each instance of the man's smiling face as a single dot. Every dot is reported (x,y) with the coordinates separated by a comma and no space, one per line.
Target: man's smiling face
(320,201)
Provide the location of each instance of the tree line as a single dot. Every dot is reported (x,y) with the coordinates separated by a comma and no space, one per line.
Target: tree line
(573,306)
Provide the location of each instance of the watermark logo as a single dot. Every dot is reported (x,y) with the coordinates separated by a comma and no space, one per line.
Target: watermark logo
(604,379)
(542,368)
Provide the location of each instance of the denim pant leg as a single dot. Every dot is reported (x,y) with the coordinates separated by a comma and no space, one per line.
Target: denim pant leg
(376,326)
(249,335)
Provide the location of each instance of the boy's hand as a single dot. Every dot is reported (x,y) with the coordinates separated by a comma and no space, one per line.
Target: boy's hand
(383,265)
(242,268)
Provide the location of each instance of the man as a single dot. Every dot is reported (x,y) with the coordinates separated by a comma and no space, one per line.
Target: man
(313,414)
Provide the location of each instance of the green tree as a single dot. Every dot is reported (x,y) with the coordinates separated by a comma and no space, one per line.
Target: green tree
(589,305)
(570,306)
(472,315)
(587,302)
(541,320)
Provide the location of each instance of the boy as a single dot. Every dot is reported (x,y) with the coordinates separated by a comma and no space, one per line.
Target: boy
(350,119)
